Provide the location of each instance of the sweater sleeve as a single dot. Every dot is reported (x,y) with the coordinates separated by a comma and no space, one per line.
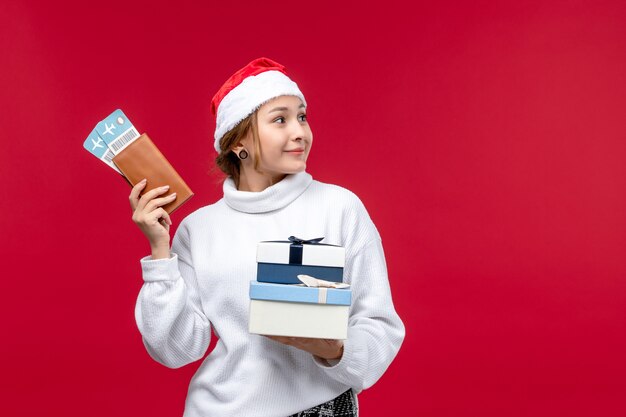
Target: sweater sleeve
(168,312)
(375,331)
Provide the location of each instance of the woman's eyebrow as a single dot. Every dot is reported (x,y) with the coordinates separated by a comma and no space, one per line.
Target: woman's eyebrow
(283,108)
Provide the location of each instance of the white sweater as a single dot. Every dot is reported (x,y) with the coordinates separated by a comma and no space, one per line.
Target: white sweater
(205,283)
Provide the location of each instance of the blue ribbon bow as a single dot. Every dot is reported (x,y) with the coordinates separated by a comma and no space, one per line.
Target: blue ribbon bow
(295,250)
(299,241)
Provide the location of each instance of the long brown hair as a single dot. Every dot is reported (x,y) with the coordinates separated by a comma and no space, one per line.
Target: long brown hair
(227,161)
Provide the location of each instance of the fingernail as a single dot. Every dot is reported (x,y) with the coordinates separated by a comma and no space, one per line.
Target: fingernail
(165,187)
(142,181)
(173,195)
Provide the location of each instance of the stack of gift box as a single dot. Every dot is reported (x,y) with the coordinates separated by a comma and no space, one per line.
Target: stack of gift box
(299,290)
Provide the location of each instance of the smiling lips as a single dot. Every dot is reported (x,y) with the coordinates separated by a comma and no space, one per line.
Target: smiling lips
(300,150)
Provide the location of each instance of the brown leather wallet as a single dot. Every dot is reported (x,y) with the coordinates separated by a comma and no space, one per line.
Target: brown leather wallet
(142,159)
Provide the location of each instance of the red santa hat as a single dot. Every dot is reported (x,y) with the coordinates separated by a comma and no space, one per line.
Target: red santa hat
(246,90)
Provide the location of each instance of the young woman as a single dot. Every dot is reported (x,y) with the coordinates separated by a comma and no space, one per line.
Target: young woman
(263,140)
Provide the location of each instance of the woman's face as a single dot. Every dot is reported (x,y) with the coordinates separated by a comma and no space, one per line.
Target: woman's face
(284,135)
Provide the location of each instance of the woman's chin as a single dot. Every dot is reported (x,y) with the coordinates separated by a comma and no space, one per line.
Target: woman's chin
(301,168)
(295,168)
(291,168)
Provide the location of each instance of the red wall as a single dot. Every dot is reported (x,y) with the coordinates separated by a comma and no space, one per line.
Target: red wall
(488,142)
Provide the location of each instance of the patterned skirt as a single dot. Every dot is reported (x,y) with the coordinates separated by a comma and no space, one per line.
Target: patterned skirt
(344,405)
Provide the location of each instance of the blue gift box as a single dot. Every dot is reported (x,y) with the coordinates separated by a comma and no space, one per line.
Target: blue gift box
(281,262)
(299,311)
(299,294)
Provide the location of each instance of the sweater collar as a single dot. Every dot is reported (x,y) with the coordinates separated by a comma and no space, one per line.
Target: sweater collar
(272,198)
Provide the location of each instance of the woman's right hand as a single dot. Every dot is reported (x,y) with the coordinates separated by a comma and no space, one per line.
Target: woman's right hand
(151,218)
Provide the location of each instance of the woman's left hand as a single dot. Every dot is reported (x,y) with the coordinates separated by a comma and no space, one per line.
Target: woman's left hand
(324,348)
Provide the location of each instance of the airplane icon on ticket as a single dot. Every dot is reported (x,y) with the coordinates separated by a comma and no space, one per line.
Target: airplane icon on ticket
(97,144)
(108,129)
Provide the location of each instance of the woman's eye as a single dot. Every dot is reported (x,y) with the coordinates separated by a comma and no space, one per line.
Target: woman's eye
(281,119)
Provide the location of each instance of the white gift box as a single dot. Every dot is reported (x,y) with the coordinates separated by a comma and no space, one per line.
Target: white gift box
(280,262)
(299,311)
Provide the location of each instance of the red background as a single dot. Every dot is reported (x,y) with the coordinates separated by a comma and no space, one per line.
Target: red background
(486,139)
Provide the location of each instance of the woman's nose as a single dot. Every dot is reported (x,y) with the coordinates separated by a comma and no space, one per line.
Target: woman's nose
(299,132)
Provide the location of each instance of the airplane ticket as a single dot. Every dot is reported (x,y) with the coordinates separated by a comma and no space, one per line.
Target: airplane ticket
(117,131)
(97,147)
